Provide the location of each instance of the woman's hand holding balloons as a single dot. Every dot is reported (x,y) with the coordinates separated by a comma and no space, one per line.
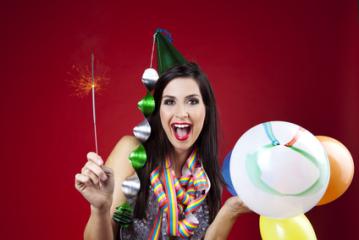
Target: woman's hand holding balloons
(235,206)
(95,182)
(226,217)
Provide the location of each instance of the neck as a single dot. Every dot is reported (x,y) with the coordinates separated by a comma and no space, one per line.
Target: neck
(179,157)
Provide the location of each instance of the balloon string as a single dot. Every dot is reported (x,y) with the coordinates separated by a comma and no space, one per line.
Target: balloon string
(270,135)
(295,138)
(153,49)
(93,98)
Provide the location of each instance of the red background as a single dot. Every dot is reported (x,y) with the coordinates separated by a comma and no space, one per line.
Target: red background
(267,60)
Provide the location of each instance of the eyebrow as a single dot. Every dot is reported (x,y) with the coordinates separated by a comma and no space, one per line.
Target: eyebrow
(173,97)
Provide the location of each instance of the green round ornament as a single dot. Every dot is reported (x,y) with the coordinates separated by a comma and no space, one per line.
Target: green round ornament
(138,157)
(147,104)
(123,214)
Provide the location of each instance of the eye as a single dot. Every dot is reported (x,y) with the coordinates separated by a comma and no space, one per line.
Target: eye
(193,101)
(168,102)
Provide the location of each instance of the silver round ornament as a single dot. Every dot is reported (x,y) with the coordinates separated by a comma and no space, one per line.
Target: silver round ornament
(130,187)
(149,78)
(142,131)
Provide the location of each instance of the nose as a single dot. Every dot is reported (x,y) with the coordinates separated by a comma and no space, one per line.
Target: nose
(181,111)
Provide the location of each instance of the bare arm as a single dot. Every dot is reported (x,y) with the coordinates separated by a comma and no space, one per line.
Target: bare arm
(106,198)
(226,217)
(100,226)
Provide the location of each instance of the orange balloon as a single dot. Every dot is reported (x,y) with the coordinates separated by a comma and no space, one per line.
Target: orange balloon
(341,168)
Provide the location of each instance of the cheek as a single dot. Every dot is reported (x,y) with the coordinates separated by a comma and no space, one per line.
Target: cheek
(164,115)
(200,116)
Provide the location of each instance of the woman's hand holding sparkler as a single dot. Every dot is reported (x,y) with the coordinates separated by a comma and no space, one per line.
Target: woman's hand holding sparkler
(96,183)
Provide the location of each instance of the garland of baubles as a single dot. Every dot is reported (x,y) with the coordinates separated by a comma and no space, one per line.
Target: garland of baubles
(124,213)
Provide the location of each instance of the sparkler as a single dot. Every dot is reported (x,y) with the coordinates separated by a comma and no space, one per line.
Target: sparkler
(85,81)
(93,99)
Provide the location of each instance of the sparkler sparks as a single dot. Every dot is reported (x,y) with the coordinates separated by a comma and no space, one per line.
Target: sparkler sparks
(81,79)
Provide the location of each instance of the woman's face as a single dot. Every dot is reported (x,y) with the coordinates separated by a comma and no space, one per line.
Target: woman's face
(182,112)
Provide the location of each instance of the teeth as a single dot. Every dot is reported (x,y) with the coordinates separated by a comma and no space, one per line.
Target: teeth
(181,125)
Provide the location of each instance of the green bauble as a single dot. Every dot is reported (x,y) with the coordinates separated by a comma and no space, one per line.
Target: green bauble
(138,157)
(123,215)
(147,104)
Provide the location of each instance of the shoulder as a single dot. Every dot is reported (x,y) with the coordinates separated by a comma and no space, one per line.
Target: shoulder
(127,141)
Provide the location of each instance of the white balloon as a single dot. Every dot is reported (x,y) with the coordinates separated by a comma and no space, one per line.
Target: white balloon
(279,169)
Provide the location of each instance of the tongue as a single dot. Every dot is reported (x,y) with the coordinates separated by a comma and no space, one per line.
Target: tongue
(181,132)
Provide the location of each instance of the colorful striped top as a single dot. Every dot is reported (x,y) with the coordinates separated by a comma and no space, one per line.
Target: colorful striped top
(140,229)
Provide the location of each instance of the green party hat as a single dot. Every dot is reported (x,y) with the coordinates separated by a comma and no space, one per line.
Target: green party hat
(167,55)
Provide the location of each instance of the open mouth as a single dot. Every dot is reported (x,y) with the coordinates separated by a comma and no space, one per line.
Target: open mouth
(181,130)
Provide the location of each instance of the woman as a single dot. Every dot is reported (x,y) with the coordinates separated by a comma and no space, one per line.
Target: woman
(184,129)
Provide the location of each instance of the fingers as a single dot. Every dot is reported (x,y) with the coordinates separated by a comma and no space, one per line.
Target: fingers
(240,202)
(81,180)
(93,172)
(90,174)
(94,157)
(243,205)
(92,168)
(108,171)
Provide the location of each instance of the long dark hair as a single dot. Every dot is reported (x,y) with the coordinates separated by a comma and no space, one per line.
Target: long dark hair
(158,146)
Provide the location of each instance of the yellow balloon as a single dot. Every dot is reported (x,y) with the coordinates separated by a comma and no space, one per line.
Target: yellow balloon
(294,228)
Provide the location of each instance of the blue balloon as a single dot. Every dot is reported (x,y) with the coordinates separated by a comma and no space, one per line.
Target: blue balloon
(226,174)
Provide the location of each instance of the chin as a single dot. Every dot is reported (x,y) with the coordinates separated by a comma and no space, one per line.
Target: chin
(182,146)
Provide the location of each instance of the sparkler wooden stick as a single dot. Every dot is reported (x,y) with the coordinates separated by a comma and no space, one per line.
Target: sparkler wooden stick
(93,98)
